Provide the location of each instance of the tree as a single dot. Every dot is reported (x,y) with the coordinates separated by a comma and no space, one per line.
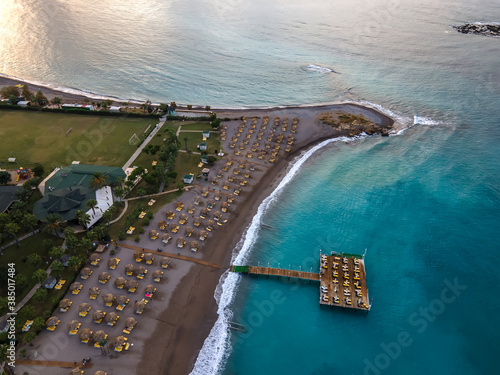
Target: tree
(40,295)
(57,267)
(21,281)
(29,220)
(72,242)
(7,91)
(164,107)
(144,106)
(14,99)
(26,93)
(39,276)
(119,192)
(34,260)
(141,191)
(83,218)
(99,180)
(12,228)
(173,106)
(86,243)
(106,216)
(53,223)
(56,252)
(47,244)
(5,178)
(91,203)
(207,107)
(119,181)
(40,98)
(190,106)
(38,323)
(75,262)
(28,337)
(104,105)
(56,101)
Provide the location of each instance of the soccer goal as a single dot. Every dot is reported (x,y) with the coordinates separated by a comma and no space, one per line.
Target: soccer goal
(134,140)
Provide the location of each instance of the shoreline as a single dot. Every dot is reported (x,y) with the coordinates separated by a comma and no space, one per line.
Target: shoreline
(182,323)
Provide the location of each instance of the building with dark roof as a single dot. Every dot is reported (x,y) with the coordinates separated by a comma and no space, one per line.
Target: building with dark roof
(8,196)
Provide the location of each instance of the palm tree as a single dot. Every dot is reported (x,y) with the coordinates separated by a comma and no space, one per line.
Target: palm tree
(91,203)
(56,101)
(39,276)
(29,220)
(57,267)
(83,218)
(99,180)
(12,228)
(53,223)
(75,262)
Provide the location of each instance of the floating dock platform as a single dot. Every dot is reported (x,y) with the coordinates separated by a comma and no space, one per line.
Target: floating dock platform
(342,279)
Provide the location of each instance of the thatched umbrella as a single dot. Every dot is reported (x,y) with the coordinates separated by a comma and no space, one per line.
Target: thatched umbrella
(139,306)
(122,300)
(138,255)
(108,298)
(195,245)
(197,221)
(111,317)
(230,199)
(98,315)
(129,269)
(65,303)
(231,178)
(157,274)
(76,371)
(205,192)
(166,237)
(210,225)
(130,323)
(203,235)
(103,277)
(112,263)
(191,208)
(162,225)
(181,242)
(174,227)
(218,196)
(179,206)
(131,284)
(94,257)
(189,231)
(164,261)
(204,213)
(153,234)
(214,180)
(85,334)
(140,270)
(94,291)
(225,185)
(217,215)
(84,307)
(170,214)
(120,282)
(100,373)
(210,203)
(149,257)
(183,218)
(71,326)
(220,172)
(98,336)
(150,289)
(224,206)
(86,272)
(117,342)
(52,321)
(75,286)
(197,200)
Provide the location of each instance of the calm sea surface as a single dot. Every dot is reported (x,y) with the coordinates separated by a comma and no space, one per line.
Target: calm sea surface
(425,204)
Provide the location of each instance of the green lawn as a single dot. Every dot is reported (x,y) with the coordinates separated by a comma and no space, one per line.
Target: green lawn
(41,137)
(193,139)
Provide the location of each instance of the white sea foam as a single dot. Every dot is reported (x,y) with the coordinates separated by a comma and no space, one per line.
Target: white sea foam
(319,68)
(417,120)
(216,348)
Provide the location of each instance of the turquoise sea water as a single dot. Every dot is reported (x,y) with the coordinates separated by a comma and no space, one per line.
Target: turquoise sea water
(425,203)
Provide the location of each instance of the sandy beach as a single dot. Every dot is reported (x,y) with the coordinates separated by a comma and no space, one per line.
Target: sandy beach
(175,324)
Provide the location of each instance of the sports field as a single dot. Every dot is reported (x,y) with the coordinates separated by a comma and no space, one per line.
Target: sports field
(55,139)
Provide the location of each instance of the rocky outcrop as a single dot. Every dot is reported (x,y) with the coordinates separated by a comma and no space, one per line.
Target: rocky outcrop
(479,29)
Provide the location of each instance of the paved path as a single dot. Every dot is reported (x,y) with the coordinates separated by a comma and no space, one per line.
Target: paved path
(28,362)
(144,143)
(170,255)
(20,239)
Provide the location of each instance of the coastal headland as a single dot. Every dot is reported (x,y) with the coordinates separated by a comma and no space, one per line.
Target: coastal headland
(259,145)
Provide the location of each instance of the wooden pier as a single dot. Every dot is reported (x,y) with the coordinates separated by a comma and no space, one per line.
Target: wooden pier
(342,279)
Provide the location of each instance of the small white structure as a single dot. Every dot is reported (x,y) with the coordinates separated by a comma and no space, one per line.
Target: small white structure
(206,134)
(24,103)
(88,107)
(104,198)
(115,109)
(188,178)
(202,146)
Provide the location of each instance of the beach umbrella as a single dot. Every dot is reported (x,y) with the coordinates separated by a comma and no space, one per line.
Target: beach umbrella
(164,261)
(52,321)
(94,291)
(162,225)
(76,371)
(211,203)
(173,227)
(214,180)
(85,334)
(157,274)
(181,242)
(100,373)
(98,314)
(138,255)
(98,336)
(75,286)
(195,245)
(108,298)
(150,289)
(217,215)
(197,221)
(210,225)
(203,235)
(204,212)
(140,305)
(170,214)
(65,303)
(189,231)
(111,317)
(121,281)
(131,284)
(179,205)
(224,206)
(71,326)
(117,342)
(191,208)
(84,307)
(129,268)
(113,262)
(197,200)
(183,217)
(140,270)
(149,257)
(166,237)
(218,196)
(121,300)
(86,271)
(103,276)
(220,172)
(231,178)
(94,257)
(130,322)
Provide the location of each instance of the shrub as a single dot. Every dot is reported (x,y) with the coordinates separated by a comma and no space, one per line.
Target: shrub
(121,235)
(137,239)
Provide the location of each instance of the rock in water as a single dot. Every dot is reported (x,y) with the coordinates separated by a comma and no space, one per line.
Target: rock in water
(479,29)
